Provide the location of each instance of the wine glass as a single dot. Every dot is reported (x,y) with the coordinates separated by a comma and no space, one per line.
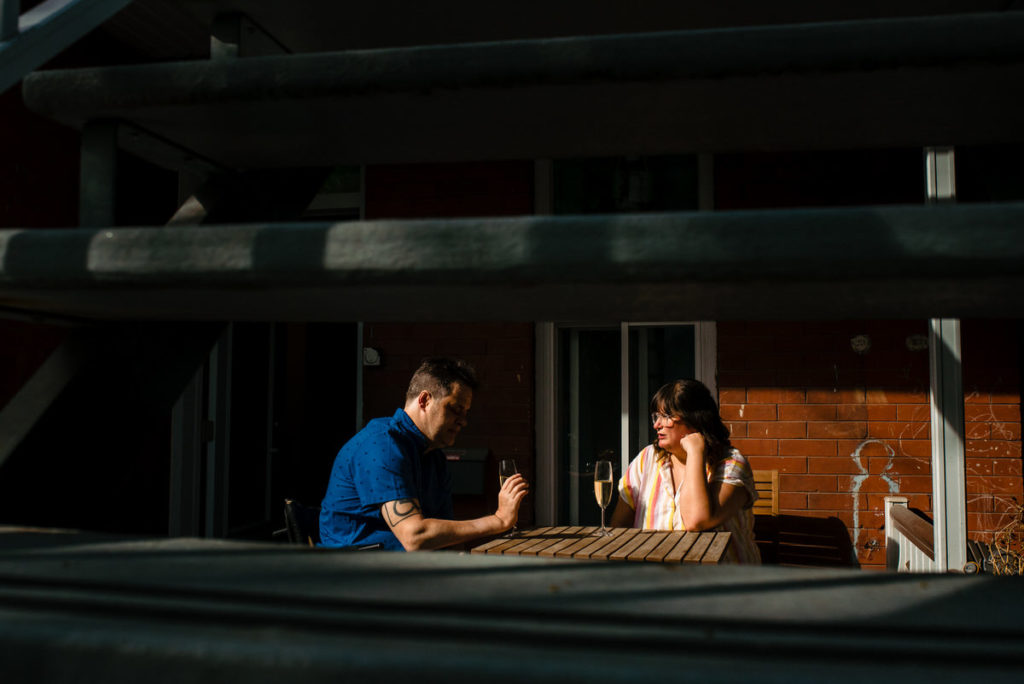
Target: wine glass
(506,469)
(603,491)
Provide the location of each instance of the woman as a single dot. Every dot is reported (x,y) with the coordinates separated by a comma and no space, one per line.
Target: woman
(690,478)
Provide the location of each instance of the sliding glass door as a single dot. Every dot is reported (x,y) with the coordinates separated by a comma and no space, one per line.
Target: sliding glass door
(604,379)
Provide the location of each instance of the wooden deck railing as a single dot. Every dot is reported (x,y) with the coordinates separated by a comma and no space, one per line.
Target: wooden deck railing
(909,539)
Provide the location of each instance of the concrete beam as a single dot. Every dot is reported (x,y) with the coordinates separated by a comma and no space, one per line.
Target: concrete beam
(903,82)
(876,262)
(159,610)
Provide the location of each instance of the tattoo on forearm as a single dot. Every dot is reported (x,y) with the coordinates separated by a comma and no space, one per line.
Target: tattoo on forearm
(400,509)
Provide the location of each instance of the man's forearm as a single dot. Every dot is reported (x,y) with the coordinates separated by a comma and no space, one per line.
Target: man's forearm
(416,532)
(434,533)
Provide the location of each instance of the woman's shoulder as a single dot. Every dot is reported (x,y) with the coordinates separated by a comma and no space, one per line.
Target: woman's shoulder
(734,459)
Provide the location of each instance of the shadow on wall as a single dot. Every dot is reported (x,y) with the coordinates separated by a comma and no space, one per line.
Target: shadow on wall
(797,540)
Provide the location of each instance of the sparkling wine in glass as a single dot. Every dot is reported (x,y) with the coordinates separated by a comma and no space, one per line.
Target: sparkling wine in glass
(506,469)
(603,491)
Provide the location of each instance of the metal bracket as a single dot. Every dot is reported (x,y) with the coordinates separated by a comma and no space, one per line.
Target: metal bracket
(236,35)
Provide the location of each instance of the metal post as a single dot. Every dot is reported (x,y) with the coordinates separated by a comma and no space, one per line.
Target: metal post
(548,475)
(643,392)
(707,355)
(218,449)
(271,450)
(360,327)
(234,35)
(624,396)
(575,467)
(187,434)
(98,175)
(940,174)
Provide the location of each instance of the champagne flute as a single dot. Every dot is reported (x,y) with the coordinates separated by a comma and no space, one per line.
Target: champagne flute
(506,469)
(603,491)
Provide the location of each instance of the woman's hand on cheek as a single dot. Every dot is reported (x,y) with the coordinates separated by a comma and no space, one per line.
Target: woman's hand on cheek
(693,444)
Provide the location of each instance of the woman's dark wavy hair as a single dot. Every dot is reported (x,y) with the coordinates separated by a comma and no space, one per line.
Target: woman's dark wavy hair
(691,401)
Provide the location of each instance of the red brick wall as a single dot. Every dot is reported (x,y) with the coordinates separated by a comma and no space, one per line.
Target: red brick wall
(991,352)
(846,429)
(501,418)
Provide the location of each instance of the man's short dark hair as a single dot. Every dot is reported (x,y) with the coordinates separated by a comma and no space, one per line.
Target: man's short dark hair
(438,374)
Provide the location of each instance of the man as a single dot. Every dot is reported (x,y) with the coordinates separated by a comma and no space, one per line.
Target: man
(390,483)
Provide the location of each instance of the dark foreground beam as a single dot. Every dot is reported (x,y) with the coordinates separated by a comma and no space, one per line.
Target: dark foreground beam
(940,261)
(81,609)
(948,80)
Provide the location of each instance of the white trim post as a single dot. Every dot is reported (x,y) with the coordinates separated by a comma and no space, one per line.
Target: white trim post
(947,433)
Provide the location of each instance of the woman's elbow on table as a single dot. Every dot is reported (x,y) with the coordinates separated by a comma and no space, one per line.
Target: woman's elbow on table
(623,515)
(700,524)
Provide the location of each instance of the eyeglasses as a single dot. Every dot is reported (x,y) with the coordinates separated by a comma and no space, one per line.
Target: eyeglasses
(665,420)
(456,411)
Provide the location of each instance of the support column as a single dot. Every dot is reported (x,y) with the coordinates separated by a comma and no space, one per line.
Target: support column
(548,475)
(187,440)
(98,174)
(949,498)
(218,446)
(947,433)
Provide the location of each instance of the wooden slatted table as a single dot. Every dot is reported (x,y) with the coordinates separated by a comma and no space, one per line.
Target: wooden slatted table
(626,544)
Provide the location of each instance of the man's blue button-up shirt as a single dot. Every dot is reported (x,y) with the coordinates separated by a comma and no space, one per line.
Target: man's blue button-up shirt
(385,461)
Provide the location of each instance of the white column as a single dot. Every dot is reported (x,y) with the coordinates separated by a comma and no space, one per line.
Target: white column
(947,433)
(949,502)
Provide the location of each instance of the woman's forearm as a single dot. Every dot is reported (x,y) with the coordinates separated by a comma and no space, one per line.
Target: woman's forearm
(695,504)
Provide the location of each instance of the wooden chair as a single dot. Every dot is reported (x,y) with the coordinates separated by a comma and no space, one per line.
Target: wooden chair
(302,523)
(767,484)
(796,540)
(766,511)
